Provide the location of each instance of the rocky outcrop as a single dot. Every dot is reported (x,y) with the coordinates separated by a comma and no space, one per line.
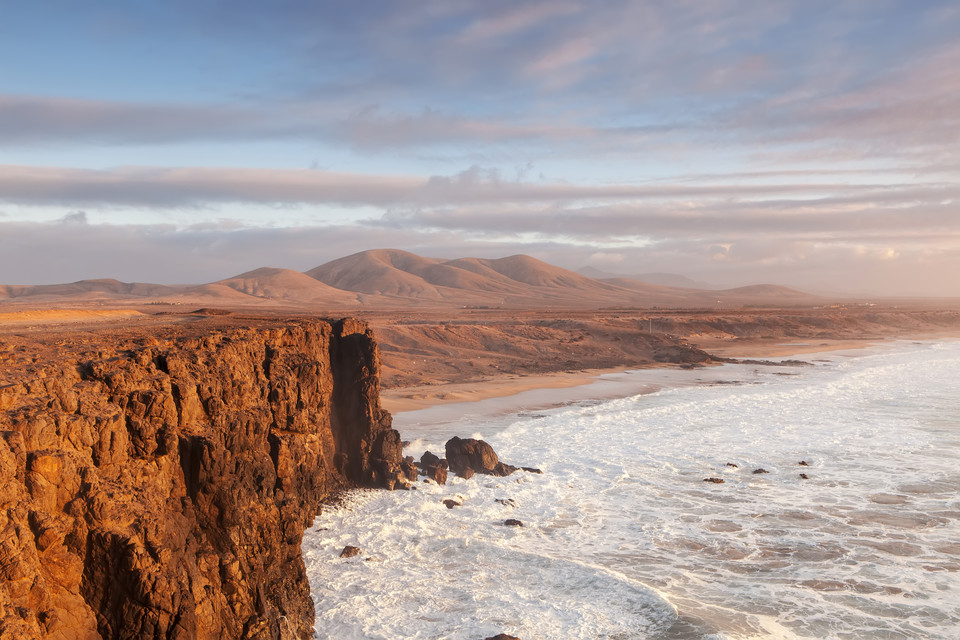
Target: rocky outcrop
(434,467)
(467,456)
(158,486)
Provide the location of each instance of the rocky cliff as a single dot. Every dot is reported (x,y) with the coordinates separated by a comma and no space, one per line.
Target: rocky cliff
(156,482)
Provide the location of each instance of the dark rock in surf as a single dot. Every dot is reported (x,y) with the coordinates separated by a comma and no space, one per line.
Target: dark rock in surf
(733,465)
(470,455)
(409,468)
(531,469)
(803,463)
(760,470)
(450,503)
(433,467)
(429,459)
(804,476)
(502,636)
(714,480)
(437,473)
(507,502)
(510,522)
(349,552)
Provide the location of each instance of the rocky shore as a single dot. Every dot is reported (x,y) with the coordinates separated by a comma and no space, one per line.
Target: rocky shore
(156,484)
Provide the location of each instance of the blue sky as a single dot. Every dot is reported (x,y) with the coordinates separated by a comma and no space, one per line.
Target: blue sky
(808,143)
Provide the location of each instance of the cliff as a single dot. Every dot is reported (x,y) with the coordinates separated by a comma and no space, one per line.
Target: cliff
(156,482)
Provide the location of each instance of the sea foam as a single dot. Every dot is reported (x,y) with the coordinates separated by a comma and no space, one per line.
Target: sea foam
(622,538)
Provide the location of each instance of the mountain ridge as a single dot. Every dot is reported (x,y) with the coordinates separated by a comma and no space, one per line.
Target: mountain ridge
(385,278)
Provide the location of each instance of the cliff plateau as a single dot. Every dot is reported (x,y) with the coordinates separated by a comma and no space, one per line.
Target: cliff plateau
(156,483)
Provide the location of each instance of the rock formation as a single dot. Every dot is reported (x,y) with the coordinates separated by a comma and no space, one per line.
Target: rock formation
(158,486)
(467,456)
(433,467)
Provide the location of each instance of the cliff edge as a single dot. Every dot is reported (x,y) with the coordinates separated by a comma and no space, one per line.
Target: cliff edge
(156,482)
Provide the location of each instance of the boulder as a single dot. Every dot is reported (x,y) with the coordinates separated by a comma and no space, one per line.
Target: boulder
(433,467)
(471,455)
(429,459)
(511,522)
(349,552)
(450,503)
(760,470)
(714,480)
(409,468)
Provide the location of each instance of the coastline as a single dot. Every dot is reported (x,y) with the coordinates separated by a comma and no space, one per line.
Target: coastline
(457,409)
(422,397)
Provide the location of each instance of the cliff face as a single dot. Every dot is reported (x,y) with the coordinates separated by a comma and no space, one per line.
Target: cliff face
(158,486)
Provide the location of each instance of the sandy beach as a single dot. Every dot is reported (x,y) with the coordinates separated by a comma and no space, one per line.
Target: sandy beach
(420,397)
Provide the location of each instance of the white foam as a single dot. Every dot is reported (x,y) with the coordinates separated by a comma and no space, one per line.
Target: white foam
(866,547)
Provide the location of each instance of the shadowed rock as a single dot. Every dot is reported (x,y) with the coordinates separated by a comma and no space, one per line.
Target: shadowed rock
(450,503)
(466,456)
(349,552)
(433,467)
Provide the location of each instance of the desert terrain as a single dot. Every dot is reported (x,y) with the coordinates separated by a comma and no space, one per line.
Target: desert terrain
(468,328)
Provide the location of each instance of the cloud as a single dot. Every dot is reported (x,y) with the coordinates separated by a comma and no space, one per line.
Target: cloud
(75,218)
(198,186)
(40,119)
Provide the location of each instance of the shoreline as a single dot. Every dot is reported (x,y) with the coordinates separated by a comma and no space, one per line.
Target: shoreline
(424,397)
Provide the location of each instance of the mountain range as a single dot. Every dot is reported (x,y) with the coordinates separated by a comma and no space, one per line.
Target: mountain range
(390,278)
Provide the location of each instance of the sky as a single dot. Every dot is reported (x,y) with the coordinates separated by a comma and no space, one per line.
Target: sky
(814,144)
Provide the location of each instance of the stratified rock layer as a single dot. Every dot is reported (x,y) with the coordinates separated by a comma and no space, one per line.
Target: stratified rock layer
(159,486)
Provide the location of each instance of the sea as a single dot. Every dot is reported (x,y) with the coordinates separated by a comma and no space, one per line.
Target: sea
(623,538)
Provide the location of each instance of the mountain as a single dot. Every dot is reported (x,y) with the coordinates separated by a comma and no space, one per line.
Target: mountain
(512,281)
(390,278)
(661,279)
(287,285)
(85,289)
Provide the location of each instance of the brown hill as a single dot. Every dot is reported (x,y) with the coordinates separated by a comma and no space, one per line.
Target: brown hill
(288,285)
(390,278)
(85,289)
(753,295)
(382,271)
(513,281)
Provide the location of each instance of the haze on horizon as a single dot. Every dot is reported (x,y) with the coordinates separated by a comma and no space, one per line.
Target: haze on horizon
(808,144)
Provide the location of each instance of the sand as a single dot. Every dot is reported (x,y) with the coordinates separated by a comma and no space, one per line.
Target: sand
(424,396)
(419,398)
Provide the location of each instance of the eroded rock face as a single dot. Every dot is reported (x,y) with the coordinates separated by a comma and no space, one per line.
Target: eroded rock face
(159,486)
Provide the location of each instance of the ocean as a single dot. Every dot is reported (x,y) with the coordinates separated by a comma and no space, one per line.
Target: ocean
(623,539)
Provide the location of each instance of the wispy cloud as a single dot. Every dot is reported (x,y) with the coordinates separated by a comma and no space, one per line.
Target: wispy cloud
(197,186)
(712,136)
